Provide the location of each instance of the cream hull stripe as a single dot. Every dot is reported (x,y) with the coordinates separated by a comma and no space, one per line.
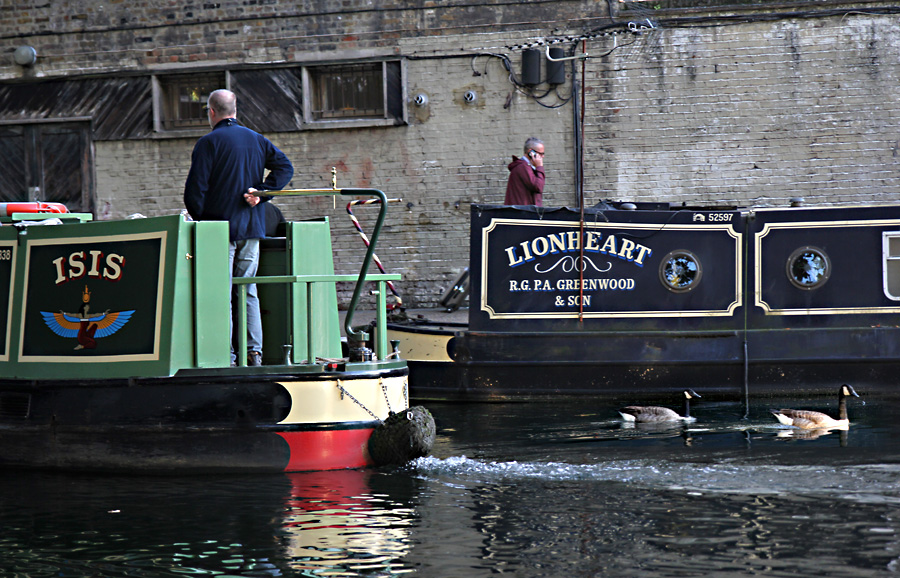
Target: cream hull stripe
(340,400)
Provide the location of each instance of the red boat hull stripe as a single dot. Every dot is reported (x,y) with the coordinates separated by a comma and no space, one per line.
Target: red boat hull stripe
(327,450)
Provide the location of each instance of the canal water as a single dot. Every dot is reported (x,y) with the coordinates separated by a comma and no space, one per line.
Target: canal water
(559,488)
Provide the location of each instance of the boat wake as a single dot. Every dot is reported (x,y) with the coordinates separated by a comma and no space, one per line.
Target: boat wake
(873,483)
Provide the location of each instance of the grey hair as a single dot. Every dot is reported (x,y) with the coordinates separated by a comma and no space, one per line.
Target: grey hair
(224,102)
(532,142)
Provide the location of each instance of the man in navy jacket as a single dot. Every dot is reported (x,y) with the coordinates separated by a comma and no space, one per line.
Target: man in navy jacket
(227,166)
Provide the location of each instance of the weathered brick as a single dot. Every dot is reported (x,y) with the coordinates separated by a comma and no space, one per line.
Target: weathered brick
(749,113)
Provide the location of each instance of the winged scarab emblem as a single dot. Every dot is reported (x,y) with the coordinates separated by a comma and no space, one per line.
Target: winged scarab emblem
(86,328)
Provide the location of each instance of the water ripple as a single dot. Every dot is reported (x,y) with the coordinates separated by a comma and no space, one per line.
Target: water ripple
(878,483)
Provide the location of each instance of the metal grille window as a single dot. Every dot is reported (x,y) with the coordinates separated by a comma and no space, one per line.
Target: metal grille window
(349,92)
(183,98)
(355,91)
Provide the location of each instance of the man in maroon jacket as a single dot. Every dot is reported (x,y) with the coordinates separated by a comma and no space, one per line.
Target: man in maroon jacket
(526,176)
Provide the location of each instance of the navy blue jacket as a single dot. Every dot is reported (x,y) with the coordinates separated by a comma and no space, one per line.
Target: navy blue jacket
(225,163)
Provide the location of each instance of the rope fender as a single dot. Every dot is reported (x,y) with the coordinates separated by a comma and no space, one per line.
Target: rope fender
(403,436)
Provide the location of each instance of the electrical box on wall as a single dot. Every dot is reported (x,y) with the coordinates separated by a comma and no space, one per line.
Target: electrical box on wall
(556,71)
(531,66)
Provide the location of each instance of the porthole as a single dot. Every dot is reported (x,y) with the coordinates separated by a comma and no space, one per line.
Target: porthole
(808,268)
(680,271)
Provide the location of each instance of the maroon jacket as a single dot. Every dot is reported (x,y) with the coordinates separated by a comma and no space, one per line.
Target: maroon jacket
(525,185)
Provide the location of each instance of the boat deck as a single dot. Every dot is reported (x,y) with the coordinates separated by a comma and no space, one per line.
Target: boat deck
(436,315)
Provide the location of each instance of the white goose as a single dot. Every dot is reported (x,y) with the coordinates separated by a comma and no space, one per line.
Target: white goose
(807,419)
(656,414)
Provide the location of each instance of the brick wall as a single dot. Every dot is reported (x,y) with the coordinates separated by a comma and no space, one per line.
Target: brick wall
(749,113)
(83,36)
(754,113)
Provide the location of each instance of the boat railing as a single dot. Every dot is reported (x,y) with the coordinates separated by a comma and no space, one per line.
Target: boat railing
(380,337)
(352,333)
(362,234)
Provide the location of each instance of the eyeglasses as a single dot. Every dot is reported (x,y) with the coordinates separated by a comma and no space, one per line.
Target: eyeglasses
(537,153)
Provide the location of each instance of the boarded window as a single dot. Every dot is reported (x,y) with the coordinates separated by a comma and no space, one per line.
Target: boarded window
(47,162)
(269,100)
(13,181)
(102,100)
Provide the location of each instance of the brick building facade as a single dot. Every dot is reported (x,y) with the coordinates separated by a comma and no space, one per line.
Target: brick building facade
(750,107)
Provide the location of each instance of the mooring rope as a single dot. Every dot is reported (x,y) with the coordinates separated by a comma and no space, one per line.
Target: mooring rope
(384,390)
(356,401)
(390,306)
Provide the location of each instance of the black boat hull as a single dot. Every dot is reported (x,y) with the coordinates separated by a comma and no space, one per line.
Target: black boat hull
(204,421)
(653,300)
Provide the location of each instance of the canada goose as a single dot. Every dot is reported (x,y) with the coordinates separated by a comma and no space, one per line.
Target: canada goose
(655,414)
(806,419)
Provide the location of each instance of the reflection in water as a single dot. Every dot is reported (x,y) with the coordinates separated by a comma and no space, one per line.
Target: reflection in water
(663,519)
(814,434)
(335,525)
(724,496)
(319,524)
(74,525)
(527,490)
(657,430)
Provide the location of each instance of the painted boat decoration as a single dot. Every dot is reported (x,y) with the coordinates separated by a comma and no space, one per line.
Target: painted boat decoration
(652,298)
(115,354)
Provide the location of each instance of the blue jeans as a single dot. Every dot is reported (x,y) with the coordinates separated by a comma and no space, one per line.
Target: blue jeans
(243,259)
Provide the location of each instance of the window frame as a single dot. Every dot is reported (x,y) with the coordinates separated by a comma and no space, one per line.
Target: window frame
(643,12)
(696,276)
(396,111)
(886,260)
(336,122)
(820,280)
(158,96)
(34,176)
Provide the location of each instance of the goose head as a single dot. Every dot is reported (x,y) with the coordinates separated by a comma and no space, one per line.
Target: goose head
(689,394)
(847,391)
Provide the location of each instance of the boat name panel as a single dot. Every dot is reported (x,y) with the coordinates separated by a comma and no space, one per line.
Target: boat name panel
(93,298)
(91,264)
(569,242)
(548,268)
